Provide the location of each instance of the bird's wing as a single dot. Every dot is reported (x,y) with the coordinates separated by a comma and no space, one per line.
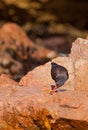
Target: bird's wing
(60,80)
(54,73)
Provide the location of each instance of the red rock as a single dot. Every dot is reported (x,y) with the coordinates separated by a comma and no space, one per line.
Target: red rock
(16,38)
(74,105)
(79,49)
(41,75)
(29,105)
(26,107)
(8,65)
(17,34)
(19,53)
(77,67)
(79,54)
(6,82)
(81,75)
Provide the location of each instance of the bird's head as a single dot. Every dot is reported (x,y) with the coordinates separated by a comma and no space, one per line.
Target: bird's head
(53,64)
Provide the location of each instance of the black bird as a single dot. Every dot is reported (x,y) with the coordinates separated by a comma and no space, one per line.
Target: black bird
(59,75)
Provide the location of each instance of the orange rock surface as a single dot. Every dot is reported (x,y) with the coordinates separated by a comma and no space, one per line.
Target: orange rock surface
(30,106)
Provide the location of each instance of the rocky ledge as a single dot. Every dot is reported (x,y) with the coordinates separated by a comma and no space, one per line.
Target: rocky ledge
(27,105)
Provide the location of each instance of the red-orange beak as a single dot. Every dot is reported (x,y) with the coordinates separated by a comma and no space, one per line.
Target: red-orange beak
(53,90)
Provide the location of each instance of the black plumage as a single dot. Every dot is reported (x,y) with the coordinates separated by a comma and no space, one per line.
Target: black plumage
(59,75)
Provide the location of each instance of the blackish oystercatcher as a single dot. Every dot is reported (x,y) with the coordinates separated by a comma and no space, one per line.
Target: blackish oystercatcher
(59,75)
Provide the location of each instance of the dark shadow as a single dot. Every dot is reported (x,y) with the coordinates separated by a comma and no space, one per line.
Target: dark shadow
(61,90)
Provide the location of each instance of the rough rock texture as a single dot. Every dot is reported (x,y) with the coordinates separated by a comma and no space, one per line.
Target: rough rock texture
(76,63)
(81,74)
(6,82)
(79,49)
(29,106)
(79,55)
(41,76)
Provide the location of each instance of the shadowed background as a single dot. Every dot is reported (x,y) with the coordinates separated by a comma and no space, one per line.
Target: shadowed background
(49,24)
